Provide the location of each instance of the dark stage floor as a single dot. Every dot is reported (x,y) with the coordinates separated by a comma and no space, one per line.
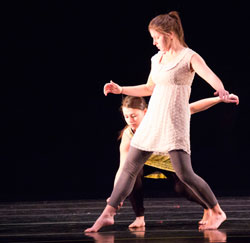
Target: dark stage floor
(167,220)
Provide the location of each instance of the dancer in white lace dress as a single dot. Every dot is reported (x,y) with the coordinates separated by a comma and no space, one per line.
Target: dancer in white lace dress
(166,125)
(134,109)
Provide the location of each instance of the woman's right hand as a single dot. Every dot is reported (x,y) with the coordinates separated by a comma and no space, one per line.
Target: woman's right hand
(223,94)
(112,87)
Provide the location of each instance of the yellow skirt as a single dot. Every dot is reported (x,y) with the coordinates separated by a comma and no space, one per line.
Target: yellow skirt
(161,162)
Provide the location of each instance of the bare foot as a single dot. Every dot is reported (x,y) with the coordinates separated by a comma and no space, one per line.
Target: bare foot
(139,222)
(215,220)
(106,218)
(206,215)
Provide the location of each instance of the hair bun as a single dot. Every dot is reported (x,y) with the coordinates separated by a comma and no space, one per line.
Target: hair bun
(174,14)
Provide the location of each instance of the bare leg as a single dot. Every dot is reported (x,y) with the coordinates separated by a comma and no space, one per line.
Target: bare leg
(105,219)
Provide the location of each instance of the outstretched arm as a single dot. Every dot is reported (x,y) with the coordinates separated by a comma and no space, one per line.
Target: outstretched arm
(138,90)
(204,104)
(124,147)
(201,68)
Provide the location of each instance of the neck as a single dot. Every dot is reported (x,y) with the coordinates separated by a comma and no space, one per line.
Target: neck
(175,47)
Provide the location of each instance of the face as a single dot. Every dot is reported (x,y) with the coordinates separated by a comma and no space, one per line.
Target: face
(133,117)
(161,41)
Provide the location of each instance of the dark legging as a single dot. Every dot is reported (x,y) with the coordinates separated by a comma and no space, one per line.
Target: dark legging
(182,164)
(186,192)
(137,195)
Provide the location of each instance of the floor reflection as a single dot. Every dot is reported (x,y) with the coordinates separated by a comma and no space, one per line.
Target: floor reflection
(209,236)
(215,235)
(138,232)
(110,238)
(65,221)
(101,238)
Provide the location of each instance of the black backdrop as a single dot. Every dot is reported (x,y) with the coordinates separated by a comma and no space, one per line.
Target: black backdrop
(59,132)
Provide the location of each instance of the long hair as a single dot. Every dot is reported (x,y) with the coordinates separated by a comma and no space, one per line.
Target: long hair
(133,102)
(166,23)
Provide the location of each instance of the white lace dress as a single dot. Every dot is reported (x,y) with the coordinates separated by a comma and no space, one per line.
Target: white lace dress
(166,125)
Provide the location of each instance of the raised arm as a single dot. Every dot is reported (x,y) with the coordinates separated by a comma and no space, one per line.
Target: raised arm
(201,68)
(137,90)
(204,104)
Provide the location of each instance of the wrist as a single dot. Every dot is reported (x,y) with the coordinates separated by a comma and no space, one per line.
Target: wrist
(220,101)
(121,90)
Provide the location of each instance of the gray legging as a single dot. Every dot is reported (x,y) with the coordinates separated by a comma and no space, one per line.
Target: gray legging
(182,164)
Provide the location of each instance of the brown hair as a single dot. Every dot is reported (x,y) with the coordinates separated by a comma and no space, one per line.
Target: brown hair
(166,23)
(133,102)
